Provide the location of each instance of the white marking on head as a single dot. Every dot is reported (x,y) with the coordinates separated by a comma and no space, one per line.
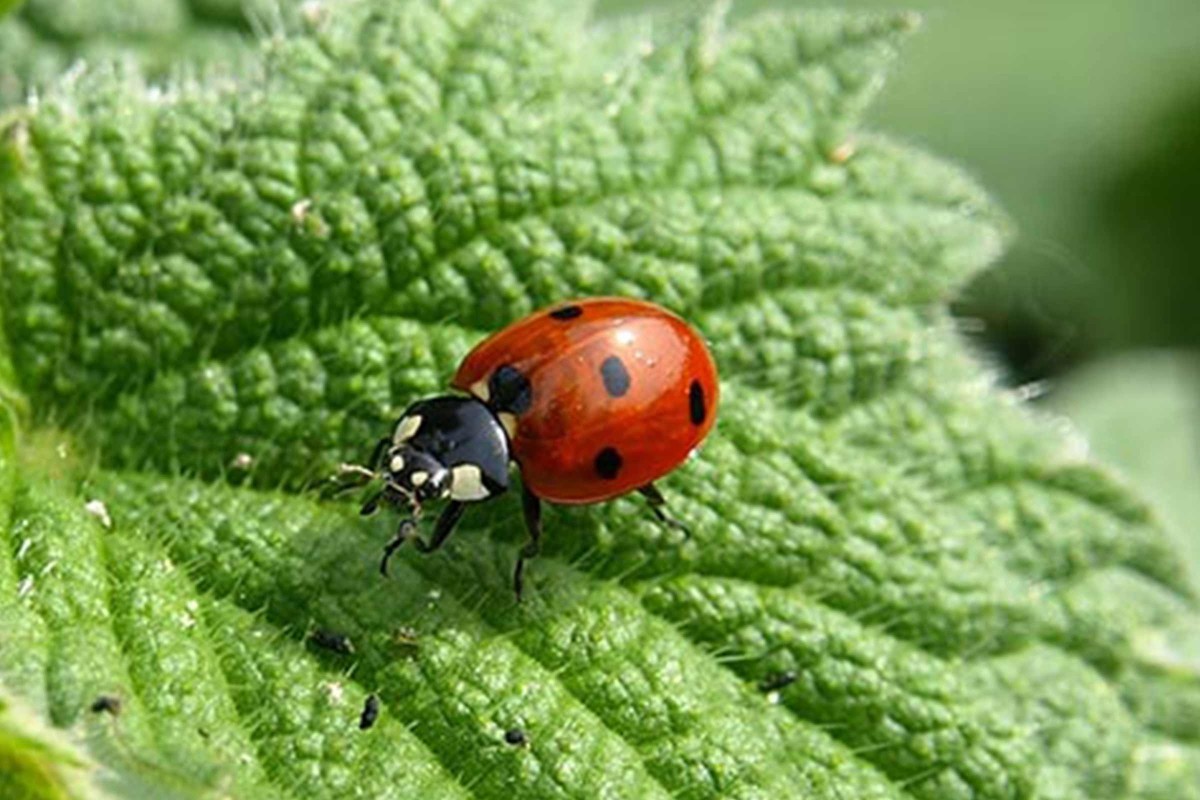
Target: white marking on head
(406,428)
(397,464)
(467,483)
(481,390)
(418,477)
(509,421)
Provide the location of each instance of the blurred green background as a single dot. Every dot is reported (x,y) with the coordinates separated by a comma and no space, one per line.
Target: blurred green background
(1082,116)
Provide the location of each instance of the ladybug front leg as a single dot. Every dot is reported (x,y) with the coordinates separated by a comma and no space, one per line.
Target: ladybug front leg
(657,502)
(532,506)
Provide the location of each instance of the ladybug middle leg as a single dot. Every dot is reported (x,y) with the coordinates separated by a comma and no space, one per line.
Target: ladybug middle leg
(657,503)
(532,506)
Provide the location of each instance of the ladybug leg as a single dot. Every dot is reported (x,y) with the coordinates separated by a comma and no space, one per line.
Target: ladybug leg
(532,506)
(403,532)
(444,527)
(657,502)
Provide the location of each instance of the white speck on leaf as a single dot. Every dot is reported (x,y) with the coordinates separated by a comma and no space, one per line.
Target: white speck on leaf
(300,210)
(313,12)
(100,511)
(1031,390)
(19,137)
(842,153)
(710,35)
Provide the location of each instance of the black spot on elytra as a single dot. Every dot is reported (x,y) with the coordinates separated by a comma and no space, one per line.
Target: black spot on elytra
(566,312)
(696,403)
(616,377)
(510,390)
(608,463)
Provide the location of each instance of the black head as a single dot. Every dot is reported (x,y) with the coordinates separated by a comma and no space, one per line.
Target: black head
(445,447)
(416,474)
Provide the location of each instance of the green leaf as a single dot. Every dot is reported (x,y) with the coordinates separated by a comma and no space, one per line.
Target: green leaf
(35,765)
(43,38)
(1141,412)
(214,294)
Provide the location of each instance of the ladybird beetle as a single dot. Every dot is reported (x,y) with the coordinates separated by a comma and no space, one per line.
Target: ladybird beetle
(591,399)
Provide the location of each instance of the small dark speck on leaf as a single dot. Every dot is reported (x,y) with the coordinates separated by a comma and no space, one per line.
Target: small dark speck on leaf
(516,737)
(406,637)
(331,640)
(370,712)
(107,702)
(776,681)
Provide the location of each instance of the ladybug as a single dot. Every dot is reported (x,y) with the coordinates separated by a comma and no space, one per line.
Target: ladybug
(591,399)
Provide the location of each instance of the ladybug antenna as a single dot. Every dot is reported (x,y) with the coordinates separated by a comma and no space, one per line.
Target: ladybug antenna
(347,478)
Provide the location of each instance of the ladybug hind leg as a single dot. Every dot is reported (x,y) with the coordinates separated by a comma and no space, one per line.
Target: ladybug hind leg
(532,506)
(657,503)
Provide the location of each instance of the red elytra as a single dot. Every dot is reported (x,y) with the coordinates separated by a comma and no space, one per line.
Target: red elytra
(622,391)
